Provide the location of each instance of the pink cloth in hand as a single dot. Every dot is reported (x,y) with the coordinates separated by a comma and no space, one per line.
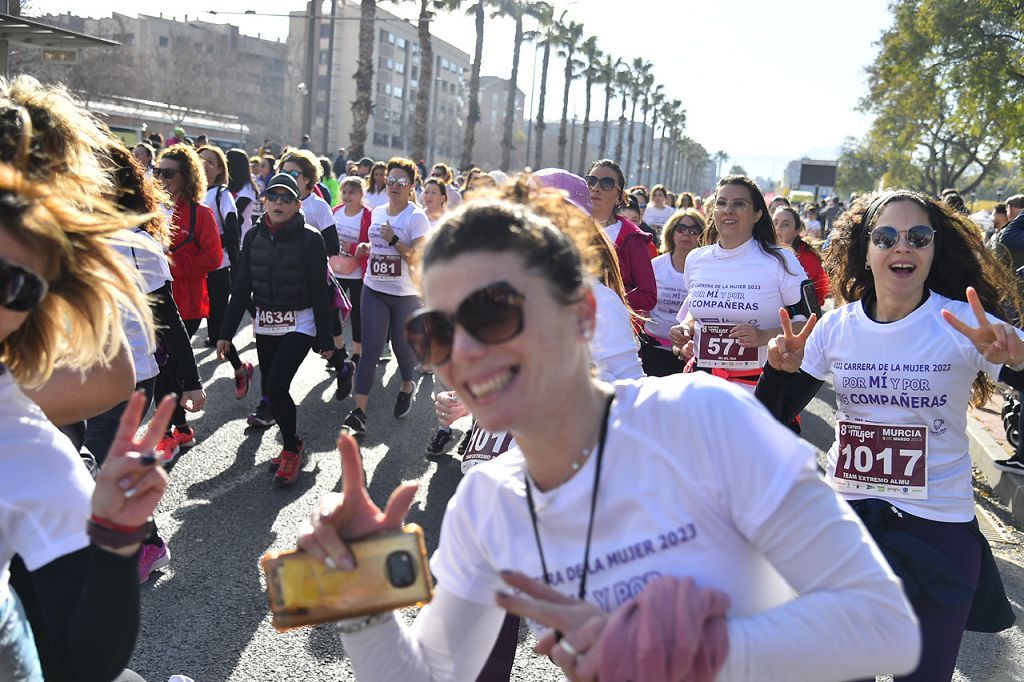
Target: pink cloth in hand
(673,632)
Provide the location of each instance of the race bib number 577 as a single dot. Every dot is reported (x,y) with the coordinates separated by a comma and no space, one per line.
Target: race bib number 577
(715,348)
(888,460)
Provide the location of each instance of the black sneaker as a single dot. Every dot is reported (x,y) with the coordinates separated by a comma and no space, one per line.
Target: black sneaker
(464,443)
(262,416)
(1013,465)
(441,440)
(403,404)
(354,358)
(356,421)
(345,374)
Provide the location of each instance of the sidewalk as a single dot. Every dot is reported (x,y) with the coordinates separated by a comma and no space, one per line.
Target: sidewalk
(988,443)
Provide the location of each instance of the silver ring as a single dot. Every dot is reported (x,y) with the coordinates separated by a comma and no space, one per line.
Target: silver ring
(568,648)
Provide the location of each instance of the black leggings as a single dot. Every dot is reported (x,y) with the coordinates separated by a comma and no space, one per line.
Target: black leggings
(167,379)
(659,361)
(353,288)
(280,357)
(218,283)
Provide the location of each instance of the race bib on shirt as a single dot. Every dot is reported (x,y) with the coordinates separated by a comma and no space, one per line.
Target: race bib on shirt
(276,322)
(716,349)
(385,266)
(484,446)
(882,459)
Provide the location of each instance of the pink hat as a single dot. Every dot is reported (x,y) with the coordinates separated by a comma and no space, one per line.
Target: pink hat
(570,183)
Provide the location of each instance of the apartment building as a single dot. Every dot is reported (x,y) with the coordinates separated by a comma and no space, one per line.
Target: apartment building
(396,79)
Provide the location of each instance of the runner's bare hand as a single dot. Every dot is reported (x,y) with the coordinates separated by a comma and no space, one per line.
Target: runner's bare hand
(786,351)
(351,514)
(996,341)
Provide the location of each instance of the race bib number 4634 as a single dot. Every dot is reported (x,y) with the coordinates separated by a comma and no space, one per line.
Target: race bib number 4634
(715,348)
(888,460)
(275,322)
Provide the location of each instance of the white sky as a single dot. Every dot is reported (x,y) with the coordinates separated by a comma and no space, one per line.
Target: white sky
(766,82)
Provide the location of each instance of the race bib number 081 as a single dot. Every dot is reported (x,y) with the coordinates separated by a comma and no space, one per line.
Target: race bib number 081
(888,460)
(716,349)
(385,266)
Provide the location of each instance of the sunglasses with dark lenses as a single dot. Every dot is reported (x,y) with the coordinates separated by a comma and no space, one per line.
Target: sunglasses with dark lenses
(21,290)
(886,237)
(165,173)
(283,197)
(692,230)
(607,184)
(491,315)
(294,173)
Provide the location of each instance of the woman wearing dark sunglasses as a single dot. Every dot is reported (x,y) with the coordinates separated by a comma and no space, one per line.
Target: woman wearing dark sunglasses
(282,272)
(609,489)
(682,234)
(195,252)
(62,290)
(606,183)
(905,365)
(390,295)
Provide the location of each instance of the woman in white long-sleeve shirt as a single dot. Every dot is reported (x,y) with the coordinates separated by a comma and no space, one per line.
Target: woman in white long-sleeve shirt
(608,486)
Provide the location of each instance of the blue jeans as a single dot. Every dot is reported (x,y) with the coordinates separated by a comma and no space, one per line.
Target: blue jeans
(19,661)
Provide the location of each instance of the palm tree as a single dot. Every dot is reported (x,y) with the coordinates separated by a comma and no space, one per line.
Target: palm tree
(422,117)
(670,112)
(569,37)
(517,10)
(649,97)
(719,157)
(477,10)
(362,105)
(657,101)
(609,69)
(642,79)
(592,72)
(548,36)
(623,81)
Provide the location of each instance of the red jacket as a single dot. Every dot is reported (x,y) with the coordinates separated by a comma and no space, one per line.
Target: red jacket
(631,246)
(815,272)
(192,259)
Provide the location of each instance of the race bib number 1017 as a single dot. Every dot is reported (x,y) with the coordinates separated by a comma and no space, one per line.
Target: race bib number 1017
(887,460)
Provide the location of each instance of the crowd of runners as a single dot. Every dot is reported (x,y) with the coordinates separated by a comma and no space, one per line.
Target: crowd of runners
(634,361)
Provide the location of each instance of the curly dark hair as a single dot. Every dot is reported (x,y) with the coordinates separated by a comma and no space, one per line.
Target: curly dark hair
(138,192)
(960,261)
(191,167)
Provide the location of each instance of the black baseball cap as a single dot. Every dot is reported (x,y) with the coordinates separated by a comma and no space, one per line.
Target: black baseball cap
(284,181)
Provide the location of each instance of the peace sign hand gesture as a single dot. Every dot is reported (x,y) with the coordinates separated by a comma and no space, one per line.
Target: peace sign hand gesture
(998,342)
(786,351)
(351,514)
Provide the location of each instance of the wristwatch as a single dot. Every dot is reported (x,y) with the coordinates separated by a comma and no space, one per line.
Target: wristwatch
(393,241)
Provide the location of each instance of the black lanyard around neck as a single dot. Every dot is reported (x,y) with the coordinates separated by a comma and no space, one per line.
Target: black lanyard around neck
(593,507)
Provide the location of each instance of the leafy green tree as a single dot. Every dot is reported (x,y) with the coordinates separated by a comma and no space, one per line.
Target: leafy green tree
(738,170)
(943,90)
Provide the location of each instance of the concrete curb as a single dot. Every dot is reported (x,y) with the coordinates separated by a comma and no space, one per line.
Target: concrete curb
(985,451)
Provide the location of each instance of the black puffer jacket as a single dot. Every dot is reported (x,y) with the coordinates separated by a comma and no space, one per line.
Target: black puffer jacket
(286,270)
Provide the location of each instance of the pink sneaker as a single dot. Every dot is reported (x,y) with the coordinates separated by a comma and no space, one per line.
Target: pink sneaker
(243,380)
(151,558)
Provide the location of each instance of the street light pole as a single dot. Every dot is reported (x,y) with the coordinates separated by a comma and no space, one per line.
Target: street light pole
(313,7)
(330,82)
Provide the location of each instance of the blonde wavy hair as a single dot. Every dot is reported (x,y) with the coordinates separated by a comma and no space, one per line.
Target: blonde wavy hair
(78,324)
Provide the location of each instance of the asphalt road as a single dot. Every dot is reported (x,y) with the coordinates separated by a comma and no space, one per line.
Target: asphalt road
(206,615)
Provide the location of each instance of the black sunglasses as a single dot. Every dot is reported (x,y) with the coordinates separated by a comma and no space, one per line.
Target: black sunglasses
(886,237)
(490,315)
(607,184)
(693,230)
(165,172)
(21,290)
(283,197)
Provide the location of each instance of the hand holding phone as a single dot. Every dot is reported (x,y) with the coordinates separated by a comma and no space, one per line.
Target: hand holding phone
(351,514)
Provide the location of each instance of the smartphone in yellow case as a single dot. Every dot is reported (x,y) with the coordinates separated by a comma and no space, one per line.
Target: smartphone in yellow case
(391,572)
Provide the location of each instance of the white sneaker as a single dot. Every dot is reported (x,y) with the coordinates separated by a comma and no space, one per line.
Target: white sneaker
(180,678)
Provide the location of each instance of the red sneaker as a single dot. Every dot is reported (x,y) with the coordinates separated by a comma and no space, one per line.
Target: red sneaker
(289,464)
(167,449)
(243,380)
(185,439)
